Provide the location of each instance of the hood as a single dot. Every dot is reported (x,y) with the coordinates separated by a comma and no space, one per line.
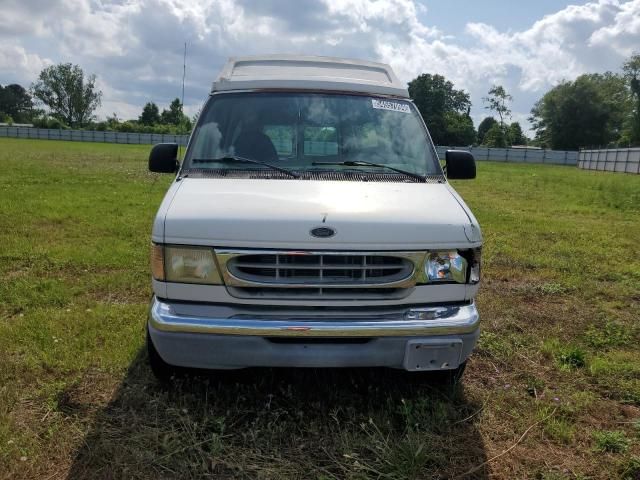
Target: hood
(245,213)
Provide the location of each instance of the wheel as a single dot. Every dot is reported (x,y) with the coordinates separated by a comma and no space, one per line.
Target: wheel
(439,377)
(161,369)
(450,377)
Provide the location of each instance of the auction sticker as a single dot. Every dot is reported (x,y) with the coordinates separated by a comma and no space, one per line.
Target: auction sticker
(390,105)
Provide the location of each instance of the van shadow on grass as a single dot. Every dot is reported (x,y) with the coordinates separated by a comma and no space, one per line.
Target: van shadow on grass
(282,423)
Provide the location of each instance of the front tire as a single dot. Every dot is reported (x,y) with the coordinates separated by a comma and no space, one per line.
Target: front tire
(450,377)
(161,369)
(439,378)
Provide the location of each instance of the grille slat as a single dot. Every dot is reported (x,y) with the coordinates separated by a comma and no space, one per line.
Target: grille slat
(320,293)
(319,267)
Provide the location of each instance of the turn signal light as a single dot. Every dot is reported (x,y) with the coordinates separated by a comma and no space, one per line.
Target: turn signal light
(157,262)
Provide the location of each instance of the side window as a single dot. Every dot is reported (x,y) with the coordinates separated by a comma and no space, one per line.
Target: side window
(320,141)
(283,138)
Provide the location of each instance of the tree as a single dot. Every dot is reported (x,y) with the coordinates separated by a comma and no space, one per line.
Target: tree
(484,127)
(70,96)
(631,70)
(497,102)
(150,114)
(174,115)
(16,102)
(496,137)
(590,111)
(460,129)
(515,134)
(445,110)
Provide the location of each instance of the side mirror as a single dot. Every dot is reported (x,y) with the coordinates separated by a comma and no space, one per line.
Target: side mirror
(164,158)
(460,165)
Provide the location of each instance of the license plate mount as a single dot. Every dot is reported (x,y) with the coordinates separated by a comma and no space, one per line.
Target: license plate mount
(432,354)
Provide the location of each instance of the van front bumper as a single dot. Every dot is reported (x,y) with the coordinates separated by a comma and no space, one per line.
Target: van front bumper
(223,336)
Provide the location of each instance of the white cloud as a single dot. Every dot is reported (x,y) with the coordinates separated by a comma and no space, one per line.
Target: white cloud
(623,34)
(17,64)
(559,46)
(135,46)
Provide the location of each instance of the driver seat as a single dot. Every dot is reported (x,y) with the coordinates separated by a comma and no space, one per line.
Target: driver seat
(255,145)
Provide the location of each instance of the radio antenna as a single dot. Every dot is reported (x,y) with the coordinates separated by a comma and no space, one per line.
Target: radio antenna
(184,70)
(184,74)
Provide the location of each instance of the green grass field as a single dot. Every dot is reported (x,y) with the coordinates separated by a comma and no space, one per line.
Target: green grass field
(552,392)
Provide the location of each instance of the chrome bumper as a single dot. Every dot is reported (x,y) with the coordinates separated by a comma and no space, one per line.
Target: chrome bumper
(409,322)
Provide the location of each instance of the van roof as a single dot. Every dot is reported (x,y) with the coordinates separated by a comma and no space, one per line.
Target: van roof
(296,72)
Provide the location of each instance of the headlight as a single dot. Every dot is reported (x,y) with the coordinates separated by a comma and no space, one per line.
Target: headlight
(186,265)
(446,267)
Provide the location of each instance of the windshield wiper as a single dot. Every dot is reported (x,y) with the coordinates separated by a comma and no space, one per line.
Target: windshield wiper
(236,158)
(359,163)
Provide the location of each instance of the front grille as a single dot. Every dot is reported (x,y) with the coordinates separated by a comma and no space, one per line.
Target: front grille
(319,269)
(326,275)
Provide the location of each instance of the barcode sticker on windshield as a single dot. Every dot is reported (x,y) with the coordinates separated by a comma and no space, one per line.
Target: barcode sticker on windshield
(389,105)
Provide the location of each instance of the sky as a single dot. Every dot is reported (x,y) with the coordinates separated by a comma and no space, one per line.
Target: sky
(135,47)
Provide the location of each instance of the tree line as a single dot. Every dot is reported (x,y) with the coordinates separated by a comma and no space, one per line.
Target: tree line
(446,112)
(596,109)
(64,97)
(592,110)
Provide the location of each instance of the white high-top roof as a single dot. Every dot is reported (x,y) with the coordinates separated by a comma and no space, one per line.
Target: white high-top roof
(296,72)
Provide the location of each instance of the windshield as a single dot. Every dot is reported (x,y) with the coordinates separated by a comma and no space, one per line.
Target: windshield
(304,131)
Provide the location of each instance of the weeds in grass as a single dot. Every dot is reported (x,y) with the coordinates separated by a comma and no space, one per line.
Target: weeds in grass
(619,363)
(572,357)
(404,458)
(611,441)
(551,289)
(560,426)
(583,399)
(560,429)
(607,335)
(567,356)
(630,470)
(498,345)
(619,372)
(534,385)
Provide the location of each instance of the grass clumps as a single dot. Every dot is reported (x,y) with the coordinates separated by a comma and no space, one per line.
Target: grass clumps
(630,469)
(552,288)
(567,357)
(607,335)
(496,345)
(611,441)
(619,373)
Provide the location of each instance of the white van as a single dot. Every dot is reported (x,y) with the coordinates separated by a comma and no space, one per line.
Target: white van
(311,224)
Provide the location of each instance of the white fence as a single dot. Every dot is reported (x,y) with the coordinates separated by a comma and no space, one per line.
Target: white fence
(625,160)
(92,136)
(517,155)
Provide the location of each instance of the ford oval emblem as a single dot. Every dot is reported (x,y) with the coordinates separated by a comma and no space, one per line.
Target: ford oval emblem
(323,232)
